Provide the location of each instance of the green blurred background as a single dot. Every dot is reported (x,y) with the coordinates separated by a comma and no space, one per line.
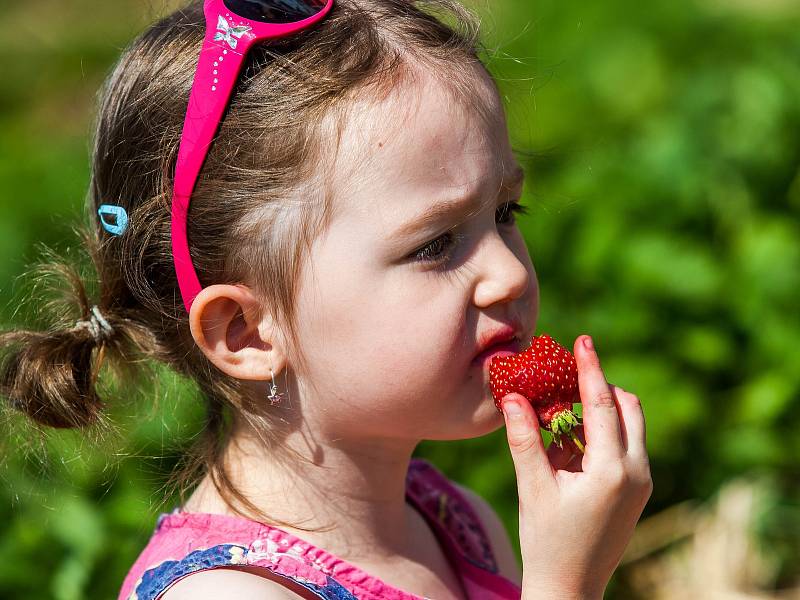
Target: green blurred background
(662,144)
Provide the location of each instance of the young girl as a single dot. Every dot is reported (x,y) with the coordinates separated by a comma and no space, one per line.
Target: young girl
(348,254)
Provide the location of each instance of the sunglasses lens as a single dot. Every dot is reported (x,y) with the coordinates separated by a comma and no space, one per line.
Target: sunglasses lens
(275,11)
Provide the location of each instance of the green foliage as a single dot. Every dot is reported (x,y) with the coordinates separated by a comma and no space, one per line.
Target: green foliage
(661,144)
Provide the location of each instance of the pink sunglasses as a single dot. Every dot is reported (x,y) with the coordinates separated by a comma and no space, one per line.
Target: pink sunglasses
(232,27)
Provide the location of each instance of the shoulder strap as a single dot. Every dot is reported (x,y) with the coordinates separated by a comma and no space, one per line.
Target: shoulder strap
(451,511)
(160,570)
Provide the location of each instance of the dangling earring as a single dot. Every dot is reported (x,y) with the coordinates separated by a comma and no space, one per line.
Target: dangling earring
(274,398)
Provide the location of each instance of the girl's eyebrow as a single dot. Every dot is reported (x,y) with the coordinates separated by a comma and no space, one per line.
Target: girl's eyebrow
(462,207)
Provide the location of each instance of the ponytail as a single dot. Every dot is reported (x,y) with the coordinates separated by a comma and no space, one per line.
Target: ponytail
(51,375)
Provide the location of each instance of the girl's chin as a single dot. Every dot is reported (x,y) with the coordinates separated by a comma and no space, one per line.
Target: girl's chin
(484,421)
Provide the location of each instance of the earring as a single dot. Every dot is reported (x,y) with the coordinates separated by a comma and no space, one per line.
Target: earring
(274,398)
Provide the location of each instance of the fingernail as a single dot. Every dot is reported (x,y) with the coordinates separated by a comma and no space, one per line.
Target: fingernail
(587,343)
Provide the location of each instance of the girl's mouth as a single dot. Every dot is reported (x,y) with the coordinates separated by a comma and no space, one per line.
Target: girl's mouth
(508,348)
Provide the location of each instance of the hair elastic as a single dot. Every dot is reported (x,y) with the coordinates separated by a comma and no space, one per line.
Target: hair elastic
(118,222)
(97,325)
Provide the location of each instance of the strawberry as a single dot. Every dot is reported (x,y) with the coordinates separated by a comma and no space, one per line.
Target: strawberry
(546,374)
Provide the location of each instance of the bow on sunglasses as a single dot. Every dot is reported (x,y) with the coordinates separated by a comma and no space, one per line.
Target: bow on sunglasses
(232,28)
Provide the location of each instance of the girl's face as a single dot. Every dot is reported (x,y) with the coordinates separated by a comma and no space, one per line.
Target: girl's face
(390,315)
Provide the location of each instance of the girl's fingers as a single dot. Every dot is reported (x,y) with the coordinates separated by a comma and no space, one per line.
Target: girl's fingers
(633,421)
(623,429)
(534,472)
(600,416)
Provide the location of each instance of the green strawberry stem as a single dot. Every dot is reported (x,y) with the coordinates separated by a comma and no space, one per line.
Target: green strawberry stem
(563,423)
(577,442)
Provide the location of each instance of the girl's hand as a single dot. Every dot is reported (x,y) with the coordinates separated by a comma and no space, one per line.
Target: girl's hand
(577,512)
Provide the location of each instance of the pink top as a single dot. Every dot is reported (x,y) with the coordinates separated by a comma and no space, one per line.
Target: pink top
(185,543)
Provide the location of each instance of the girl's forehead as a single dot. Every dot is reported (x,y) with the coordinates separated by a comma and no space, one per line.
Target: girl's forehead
(422,140)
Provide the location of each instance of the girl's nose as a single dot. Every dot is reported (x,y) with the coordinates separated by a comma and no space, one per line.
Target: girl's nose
(501,275)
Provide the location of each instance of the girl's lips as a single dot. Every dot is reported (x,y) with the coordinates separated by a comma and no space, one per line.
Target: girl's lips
(505,349)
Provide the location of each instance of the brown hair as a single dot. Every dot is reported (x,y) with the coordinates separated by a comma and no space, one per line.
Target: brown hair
(246,223)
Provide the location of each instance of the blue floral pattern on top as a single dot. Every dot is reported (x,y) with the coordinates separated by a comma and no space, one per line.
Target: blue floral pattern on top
(156,580)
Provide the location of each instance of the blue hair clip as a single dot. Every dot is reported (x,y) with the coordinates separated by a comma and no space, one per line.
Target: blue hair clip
(113,218)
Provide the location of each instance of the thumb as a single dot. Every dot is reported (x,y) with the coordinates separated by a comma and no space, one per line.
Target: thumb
(525,442)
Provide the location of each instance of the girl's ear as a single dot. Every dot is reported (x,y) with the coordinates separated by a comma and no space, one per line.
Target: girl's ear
(228,326)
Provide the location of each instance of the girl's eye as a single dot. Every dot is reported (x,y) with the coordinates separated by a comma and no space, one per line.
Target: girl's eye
(440,249)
